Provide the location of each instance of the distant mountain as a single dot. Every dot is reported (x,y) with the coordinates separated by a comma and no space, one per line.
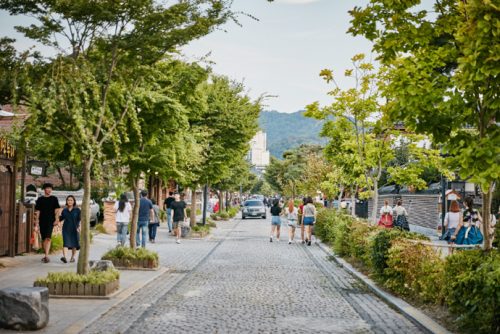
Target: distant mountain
(286,131)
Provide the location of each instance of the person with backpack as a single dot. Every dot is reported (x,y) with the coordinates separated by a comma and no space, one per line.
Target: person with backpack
(275,220)
(123,213)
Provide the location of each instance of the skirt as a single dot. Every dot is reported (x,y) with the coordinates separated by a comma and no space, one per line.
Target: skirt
(401,222)
(385,221)
(469,236)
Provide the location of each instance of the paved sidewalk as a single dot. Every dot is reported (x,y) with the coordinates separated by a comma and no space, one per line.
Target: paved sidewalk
(72,315)
(242,283)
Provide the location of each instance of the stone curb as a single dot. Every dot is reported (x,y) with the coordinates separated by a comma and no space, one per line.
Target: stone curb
(410,312)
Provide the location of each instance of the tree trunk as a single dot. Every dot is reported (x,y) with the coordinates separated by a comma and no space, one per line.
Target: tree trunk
(487,198)
(83,257)
(192,217)
(375,202)
(70,176)
(227,204)
(61,176)
(135,212)
(353,201)
(221,200)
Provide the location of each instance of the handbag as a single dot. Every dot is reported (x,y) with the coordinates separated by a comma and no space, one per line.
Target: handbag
(35,240)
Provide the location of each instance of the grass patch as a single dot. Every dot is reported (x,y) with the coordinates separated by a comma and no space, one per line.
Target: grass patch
(100,228)
(55,245)
(127,253)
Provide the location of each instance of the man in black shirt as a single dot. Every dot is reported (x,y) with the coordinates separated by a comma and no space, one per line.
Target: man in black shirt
(168,209)
(179,212)
(47,211)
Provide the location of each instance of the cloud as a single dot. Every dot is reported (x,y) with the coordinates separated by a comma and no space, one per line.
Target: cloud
(297,2)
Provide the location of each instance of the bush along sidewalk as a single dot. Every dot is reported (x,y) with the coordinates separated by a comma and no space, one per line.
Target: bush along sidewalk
(225,215)
(95,283)
(200,231)
(128,258)
(466,285)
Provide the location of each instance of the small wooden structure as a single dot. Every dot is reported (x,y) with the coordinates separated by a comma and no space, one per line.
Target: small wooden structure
(7,198)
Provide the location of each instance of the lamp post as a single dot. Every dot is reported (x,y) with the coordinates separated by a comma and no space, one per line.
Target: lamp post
(205,199)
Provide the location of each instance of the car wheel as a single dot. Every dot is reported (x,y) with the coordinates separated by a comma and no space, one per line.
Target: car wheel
(242,217)
(265,217)
(93,223)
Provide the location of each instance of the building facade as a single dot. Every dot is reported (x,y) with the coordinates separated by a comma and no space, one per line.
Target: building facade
(258,155)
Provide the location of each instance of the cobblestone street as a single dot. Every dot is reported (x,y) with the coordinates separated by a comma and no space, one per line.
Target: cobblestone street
(239,282)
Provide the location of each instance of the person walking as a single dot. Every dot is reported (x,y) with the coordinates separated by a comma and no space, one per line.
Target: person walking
(168,209)
(468,230)
(401,216)
(292,216)
(179,216)
(301,215)
(70,217)
(452,220)
(153,224)
(146,214)
(123,213)
(275,220)
(308,219)
(46,209)
(385,215)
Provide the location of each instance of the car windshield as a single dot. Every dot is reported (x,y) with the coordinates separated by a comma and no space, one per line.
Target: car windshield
(254,203)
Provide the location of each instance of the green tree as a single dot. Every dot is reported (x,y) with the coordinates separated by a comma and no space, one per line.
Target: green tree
(442,78)
(88,93)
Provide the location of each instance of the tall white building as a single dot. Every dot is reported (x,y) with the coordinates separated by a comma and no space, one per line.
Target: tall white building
(259,155)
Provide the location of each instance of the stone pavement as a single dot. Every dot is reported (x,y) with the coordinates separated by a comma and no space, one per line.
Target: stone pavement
(239,282)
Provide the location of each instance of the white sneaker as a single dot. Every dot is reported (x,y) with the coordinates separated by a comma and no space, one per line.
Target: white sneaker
(289,241)
(278,239)
(177,241)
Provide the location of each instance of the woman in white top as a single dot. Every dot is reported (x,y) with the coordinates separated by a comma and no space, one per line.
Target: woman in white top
(292,214)
(385,215)
(401,216)
(123,211)
(452,220)
(309,218)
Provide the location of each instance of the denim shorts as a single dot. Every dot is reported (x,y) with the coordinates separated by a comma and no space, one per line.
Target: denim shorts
(276,220)
(308,220)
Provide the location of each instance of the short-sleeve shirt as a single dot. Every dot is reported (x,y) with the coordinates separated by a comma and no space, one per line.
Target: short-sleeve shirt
(178,208)
(123,216)
(275,210)
(145,206)
(47,206)
(168,201)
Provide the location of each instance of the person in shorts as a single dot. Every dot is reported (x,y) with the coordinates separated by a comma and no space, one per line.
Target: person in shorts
(179,215)
(275,220)
(46,209)
(292,214)
(308,218)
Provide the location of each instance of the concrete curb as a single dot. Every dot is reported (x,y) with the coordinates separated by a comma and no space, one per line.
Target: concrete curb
(410,312)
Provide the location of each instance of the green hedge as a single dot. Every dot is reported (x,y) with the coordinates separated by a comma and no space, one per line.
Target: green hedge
(93,277)
(467,282)
(127,253)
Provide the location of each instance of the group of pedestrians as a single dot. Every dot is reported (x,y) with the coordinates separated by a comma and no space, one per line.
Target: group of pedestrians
(464,227)
(304,215)
(149,218)
(396,216)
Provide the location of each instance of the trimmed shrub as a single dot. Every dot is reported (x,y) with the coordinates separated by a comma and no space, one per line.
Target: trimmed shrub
(473,290)
(416,271)
(93,277)
(55,245)
(129,254)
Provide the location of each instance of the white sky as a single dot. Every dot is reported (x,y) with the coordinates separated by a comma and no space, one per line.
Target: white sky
(281,54)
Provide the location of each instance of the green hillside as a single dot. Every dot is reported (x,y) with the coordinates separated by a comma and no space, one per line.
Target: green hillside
(285,131)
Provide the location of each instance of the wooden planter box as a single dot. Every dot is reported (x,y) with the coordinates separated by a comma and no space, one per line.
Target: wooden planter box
(81,289)
(135,264)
